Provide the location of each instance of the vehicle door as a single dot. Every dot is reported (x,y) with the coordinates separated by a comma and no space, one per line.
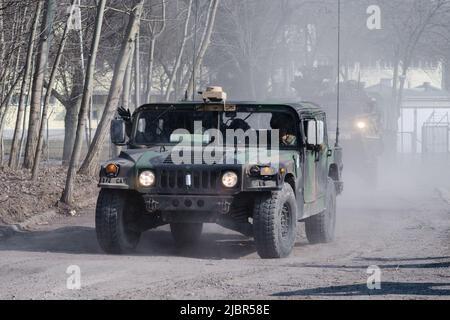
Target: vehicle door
(315,158)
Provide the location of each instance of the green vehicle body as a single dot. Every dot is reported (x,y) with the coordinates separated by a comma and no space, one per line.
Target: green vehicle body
(307,168)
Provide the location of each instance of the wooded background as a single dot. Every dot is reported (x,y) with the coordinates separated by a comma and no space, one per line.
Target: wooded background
(166,50)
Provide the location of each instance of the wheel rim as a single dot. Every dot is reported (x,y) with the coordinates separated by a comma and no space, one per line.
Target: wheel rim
(285,221)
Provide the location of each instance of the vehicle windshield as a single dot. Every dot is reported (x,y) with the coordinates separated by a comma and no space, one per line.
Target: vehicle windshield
(170,127)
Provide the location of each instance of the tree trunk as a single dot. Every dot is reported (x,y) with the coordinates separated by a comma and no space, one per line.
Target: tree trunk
(48,95)
(137,71)
(126,100)
(71,117)
(87,93)
(14,77)
(126,97)
(151,64)
(38,84)
(180,52)
(90,163)
(205,43)
(6,101)
(15,145)
(4,109)
(2,36)
(70,129)
(154,34)
(25,116)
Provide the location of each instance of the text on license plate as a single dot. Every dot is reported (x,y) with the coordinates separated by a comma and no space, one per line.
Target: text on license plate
(105,180)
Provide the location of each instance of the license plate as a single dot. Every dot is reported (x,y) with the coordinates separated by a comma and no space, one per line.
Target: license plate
(105,180)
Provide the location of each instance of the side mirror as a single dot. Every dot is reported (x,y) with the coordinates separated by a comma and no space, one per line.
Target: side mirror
(118,134)
(312,133)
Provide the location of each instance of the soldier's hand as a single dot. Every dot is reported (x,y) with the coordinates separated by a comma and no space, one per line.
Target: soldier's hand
(125,114)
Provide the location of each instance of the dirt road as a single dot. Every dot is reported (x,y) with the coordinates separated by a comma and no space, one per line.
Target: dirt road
(405,233)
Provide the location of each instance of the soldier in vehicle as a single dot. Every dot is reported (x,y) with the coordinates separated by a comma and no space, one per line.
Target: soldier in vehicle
(286,125)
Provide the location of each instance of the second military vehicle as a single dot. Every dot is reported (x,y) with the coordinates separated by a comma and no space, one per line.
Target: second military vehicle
(360,124)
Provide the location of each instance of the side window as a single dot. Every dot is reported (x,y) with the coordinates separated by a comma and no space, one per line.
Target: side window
(141,125)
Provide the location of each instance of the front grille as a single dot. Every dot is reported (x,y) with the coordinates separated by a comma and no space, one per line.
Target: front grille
(204,180)
(199,159)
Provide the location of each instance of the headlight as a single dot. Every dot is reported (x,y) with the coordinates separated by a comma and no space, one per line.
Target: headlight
(361,125)
(230,179)
(147,179)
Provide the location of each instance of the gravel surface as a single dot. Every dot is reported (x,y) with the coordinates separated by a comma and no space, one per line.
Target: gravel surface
(405,233)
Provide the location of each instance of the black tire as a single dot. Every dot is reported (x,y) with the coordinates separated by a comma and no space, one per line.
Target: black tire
(275,223)
(115,222)
(186,234)
(321,227)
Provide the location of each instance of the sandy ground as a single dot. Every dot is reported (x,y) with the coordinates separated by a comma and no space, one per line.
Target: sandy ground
(404,230)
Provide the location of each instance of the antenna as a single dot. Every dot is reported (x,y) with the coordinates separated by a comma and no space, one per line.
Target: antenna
(338,76)
(194,57)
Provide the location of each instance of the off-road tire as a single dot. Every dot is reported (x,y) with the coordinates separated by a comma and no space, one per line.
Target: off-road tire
(275,238)
(186,234)
(115,213)
(321,227)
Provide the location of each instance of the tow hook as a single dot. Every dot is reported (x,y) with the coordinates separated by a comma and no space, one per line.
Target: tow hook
(151,205)
(226,206)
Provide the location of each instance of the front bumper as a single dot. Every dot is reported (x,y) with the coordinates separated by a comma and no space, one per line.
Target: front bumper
(188,203)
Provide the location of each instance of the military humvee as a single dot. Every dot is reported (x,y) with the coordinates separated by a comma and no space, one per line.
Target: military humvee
(361,128)
(177,170)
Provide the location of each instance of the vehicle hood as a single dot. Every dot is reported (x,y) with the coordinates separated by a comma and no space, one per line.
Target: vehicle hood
(157,156)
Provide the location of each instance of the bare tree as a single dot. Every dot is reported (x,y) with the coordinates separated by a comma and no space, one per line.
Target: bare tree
(127,84)
(137,71)
(126,96)
(15,74)
(156,27)
(206,40)
(180,52)
(50,86)
(15,145)
(38,84)
(89,165)
(87,93)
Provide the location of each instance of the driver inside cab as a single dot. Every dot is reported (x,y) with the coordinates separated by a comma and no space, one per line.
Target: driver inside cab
(286,125)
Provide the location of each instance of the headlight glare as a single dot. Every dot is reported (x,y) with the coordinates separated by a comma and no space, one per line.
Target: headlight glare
(361,125)
(147,179)
(230,179)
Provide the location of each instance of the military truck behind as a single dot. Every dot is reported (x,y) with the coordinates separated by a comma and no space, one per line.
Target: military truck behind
(361,133)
